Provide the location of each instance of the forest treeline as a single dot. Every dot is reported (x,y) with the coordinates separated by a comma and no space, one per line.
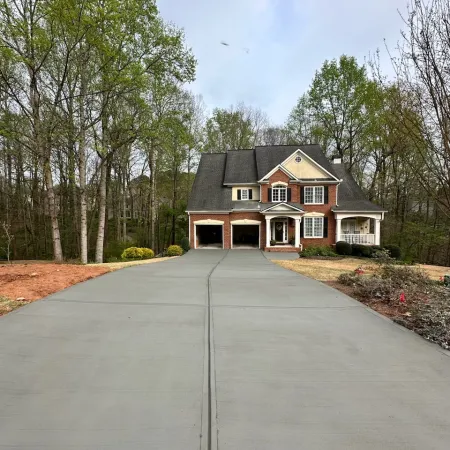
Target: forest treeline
(100,136)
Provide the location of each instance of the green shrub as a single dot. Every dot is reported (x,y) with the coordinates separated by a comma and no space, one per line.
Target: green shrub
(322,250)
(361,250)
(115,249)
(132,253)
(184,244)
(394,251)
(147,253)
(174,250)
(343,248)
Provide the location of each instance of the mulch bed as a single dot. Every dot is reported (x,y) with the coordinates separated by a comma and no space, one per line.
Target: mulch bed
(391,311)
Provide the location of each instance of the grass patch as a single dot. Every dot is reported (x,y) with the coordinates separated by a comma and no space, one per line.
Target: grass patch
(7,305)
(326,269)
(330,269)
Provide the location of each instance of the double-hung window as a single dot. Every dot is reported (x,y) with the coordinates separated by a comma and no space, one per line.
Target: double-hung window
(313,227)
(244,194)
(279,193)
(314,195)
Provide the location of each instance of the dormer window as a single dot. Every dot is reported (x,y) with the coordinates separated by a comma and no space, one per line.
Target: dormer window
(279,193)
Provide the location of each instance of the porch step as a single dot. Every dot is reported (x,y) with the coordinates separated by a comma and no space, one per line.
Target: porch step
(282,249)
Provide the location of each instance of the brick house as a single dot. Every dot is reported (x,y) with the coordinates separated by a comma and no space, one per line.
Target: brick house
(278,198)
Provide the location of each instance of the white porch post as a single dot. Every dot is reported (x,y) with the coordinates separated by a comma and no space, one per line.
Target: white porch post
(268,232)
(338,230)
(377,232)
(297,232)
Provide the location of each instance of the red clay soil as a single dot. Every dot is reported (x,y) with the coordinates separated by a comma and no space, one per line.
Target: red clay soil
(35,281)
(390,311)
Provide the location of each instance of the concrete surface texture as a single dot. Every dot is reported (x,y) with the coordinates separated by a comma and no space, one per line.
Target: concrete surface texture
(121,362)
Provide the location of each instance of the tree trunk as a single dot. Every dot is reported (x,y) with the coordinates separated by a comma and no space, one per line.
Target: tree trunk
(124,205)
(83,202)
(101,213)
(57,250)
(152,166)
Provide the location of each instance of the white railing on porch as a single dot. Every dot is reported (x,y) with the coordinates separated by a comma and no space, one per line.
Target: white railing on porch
(365,239)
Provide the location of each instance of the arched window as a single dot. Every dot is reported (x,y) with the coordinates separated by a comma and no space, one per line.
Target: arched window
(279,193)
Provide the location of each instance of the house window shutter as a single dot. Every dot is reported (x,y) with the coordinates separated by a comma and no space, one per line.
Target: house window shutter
(270,195)
(325,227)
(289,194)
(301,228)
(250,194)
(239,194)
(302,195)
(325,195)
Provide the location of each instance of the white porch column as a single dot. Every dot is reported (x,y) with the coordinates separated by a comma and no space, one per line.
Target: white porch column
(377,231)
(297,232)
(338,230)
(268,237)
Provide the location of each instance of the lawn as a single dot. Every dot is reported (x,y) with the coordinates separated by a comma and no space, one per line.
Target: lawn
(27,281)
(330,269)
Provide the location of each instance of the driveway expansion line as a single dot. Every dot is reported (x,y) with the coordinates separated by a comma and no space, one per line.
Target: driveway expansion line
(209,409)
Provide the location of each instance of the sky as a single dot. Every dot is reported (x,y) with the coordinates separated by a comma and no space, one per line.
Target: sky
(276,46)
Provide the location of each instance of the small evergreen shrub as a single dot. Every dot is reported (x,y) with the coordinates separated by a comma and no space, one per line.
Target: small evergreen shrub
(394,251)
(132,253)
(147,253)
(184,244)
(321,250)
(361,250)
(174,250)
(343,248)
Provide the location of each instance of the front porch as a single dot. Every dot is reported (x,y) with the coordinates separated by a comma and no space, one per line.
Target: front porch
(361,229)
(283,223)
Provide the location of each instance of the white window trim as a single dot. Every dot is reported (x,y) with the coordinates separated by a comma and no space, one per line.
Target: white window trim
(246,193)
(313,219)
(279,187)
(314,195)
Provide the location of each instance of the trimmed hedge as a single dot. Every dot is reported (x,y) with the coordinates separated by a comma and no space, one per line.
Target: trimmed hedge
(343,248)
(148,253)
(137,253)
(174,250)
(320,250)
(361,250)
(184,244)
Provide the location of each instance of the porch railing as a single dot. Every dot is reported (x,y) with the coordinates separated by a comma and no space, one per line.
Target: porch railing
(364,239)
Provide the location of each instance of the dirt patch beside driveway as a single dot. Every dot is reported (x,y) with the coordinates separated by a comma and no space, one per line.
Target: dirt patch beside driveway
(24,283)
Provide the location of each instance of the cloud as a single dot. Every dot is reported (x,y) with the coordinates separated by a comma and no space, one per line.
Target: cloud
(275,46)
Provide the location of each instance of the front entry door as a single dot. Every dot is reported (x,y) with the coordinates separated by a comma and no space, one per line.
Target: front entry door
(279,231)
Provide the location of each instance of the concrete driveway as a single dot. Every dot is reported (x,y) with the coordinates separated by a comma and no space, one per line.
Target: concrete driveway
(138,360)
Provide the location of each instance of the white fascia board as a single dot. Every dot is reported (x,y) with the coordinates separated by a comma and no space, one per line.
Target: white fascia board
(283,204)
(317,164)
(278,167)
(207,212)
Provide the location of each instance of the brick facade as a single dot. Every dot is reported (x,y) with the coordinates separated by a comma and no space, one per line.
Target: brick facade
(295,198)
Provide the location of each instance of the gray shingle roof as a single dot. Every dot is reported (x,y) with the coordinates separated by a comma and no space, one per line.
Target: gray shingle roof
(240,167)
(265,206)
(269,157)
(249,166)
(208,192)
(350,195)
(246,205)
